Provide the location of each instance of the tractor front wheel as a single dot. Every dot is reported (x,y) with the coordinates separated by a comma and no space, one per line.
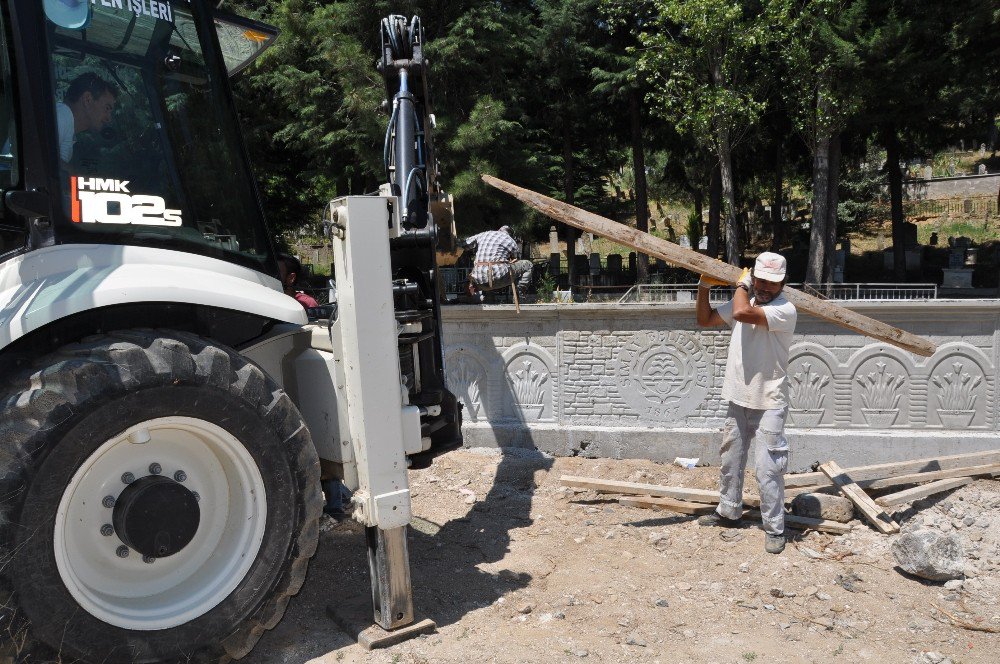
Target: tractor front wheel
(161,500)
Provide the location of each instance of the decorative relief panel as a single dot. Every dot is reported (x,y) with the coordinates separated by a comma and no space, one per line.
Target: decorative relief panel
(466,378)
(811,386)
(662,375)
(880,386)
(530,382)
(959,393)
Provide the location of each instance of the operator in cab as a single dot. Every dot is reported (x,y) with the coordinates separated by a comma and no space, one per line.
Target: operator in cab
(86,106)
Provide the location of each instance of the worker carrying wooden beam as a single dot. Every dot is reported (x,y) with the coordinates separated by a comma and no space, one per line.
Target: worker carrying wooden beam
(756,387)
(762,314)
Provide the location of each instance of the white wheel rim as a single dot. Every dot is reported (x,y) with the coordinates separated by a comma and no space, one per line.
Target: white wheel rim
(132,594)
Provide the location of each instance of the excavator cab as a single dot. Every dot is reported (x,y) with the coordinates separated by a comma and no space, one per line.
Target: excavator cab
(126,121)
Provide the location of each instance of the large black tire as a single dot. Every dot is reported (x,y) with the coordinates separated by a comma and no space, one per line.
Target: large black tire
(58,413)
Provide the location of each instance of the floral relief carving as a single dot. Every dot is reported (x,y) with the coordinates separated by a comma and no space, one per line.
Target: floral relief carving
(880,394)
(528,382)
(466,380)
(956,399)
(807,395)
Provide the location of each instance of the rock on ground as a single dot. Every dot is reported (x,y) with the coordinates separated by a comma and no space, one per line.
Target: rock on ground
(823,506)
(930,555)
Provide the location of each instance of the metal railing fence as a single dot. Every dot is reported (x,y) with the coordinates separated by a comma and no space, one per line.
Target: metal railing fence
(651,293)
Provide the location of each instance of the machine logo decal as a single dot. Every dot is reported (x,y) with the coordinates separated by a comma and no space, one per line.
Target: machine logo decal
(108,201)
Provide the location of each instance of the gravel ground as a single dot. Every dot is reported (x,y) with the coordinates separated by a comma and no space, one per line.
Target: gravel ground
(515,568)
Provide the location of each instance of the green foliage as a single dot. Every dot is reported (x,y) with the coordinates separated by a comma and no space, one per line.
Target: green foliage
(703,57)
(538,92)
(694,228)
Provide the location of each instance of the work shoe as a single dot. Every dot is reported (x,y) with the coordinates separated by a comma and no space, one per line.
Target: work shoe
(774,543)
(717,520)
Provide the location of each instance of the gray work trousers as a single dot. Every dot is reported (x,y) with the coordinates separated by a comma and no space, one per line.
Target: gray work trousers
(501,275)
(766,428)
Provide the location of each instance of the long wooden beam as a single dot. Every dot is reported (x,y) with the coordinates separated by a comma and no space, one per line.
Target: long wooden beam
(692,260)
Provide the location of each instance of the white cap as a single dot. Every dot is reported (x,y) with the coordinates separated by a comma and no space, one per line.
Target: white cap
(770,267)
(70,14)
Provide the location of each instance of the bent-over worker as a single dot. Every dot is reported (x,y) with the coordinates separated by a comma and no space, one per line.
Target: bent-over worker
(496,263)
(756,387)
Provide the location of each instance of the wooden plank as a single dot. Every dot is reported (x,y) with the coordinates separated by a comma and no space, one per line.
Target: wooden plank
(639,489)
(823,525)
(875,514)
(918,478)
(922,491)
(896,468)
(670,505)
(667,505)
(692,260)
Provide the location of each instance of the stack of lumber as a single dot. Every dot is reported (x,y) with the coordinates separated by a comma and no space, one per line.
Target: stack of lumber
(924,477)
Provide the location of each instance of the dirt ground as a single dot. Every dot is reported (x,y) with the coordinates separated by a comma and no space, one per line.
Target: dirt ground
(514,568)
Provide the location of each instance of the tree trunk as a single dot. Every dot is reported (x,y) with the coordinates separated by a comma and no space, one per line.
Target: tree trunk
(820,205)
(569,195)
(714,211)
(641,192)
(777,198)
(729,196)
(896,204)
(833,199)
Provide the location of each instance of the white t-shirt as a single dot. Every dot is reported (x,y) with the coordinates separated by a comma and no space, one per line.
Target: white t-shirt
(66,123)
(757,366)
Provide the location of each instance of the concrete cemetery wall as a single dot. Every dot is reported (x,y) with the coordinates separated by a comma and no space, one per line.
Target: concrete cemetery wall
(644,381)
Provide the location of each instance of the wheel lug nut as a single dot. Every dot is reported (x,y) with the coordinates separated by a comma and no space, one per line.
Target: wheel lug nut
(197,496)
(109,501)
(149,560)
(180,476)
(128,478)
(122,551)
(155,469)
(107,530)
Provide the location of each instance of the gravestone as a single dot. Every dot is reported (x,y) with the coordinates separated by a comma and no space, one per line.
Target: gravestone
(631,262)
(928,172)
(910,236)
(553,240)
(685,242)
(614,262)
(703,243)
(982,169)
(956,258)
(595,264)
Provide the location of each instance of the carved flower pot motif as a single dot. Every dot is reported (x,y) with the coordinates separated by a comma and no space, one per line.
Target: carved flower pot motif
(529,390)
(880,418)
(880,394)
(532,411)
(807,417)
(957,397)
(956,419)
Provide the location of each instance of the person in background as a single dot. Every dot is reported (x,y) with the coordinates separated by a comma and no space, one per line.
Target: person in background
(497,263)
(756,387)
(289,269)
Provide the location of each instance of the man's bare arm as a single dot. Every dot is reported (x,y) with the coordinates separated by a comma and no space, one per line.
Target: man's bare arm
(745,312)
(705,314)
